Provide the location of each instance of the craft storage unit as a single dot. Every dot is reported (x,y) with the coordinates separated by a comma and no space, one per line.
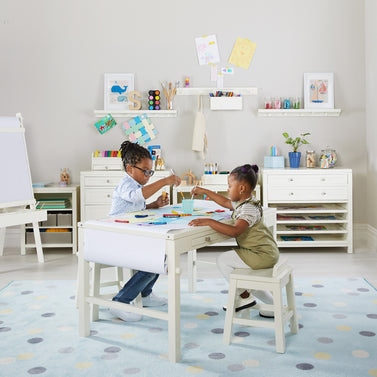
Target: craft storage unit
(313,206)
(97,191)
(58,219)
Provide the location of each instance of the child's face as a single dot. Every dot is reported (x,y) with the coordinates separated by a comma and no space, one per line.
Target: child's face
(138,175)
(237,190)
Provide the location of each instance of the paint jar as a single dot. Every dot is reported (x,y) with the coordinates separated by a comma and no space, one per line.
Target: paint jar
(328,158)
(267,103)
(310,159)
(277,103)
(287,103)
(188,206)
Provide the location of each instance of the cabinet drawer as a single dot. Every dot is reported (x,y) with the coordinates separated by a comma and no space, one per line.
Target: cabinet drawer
(102,181)
(97,212)
(98,195)
(308,180)
(313,194)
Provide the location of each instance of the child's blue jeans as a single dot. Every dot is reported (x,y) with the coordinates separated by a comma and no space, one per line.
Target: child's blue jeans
(141,282)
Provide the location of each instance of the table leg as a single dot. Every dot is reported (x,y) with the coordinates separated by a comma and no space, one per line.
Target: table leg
(192,270)
(83,289)
(174,308)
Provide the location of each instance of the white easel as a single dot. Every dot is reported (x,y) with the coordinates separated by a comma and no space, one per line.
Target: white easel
(16,190)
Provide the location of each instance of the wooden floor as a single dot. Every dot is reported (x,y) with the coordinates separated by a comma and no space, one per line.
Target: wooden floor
(62,264)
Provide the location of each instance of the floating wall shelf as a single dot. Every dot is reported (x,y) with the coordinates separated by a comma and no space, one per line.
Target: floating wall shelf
(246,91)
(133,113)
(299,112)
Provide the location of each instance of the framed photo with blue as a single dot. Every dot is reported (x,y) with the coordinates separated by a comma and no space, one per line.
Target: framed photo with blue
(117,86)
(318,90)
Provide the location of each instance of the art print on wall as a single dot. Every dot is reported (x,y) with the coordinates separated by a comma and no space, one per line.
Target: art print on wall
(319,90)
(117,87)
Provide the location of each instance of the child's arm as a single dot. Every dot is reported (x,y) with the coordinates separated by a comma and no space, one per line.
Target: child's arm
(162,200)
(219,199)
(230,230)
(149,190)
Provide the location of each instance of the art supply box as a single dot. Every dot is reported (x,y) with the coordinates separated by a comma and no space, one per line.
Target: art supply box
(274,162)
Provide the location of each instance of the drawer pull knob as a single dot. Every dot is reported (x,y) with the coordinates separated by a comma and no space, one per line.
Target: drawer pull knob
(208,238)
(108,195)
(323,179)
(291,179)
(106,167)
(291,193)
(108,181)
(323,193)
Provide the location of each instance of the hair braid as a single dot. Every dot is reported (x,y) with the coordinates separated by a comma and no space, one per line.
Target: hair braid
(248,173)
(132,153)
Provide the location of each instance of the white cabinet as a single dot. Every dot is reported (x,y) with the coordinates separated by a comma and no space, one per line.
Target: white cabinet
(60,229)
(313,206)
(97,191)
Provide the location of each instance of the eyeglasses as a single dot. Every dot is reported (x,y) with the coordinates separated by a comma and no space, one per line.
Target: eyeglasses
(147,173)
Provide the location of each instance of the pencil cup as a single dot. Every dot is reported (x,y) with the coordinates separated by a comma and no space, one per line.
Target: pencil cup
(188,206)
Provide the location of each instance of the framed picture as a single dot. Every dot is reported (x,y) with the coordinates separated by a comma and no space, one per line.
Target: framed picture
(318,90)
(116,90)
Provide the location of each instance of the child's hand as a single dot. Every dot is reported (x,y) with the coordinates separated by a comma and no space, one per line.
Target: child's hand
(163,200)
(197,190)
(173,180)
(200,222)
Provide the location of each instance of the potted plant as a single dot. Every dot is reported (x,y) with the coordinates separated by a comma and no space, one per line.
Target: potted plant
(294,157)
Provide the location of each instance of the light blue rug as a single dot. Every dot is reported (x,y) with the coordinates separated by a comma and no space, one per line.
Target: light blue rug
(337,336)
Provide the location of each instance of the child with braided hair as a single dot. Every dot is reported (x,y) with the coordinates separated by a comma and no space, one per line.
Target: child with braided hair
(256,248)
(129,196)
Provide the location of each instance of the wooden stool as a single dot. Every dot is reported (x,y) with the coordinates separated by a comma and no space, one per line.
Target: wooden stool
(273,280)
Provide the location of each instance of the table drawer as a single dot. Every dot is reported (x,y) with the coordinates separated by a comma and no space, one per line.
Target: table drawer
(98,195)
(207,240)
(103,181)
(308,180)
(313,194)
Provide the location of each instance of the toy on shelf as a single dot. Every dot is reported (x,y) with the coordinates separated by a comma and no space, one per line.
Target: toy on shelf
(169,93)
(191,179)
(136,104)
(104,124)
(140,129)
(160,164)
(64,177)
(154,98)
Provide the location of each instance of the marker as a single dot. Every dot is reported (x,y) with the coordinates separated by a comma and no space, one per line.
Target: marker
(140,216)
(170,215)
(121,221)
(158,223)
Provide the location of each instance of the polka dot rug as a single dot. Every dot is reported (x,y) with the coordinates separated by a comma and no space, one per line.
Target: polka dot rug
(337,335)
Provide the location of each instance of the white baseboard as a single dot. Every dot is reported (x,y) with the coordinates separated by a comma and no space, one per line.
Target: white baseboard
(364,237)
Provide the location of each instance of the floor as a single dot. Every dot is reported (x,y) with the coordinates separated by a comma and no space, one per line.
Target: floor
(316,263)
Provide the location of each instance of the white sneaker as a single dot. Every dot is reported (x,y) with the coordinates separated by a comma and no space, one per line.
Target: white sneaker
(243,303)
(153,300)
(125,316)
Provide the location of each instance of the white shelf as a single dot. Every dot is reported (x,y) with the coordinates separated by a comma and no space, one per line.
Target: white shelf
(133,113)
(299,112)
(245,91)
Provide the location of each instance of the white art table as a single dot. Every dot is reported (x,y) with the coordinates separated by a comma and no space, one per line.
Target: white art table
(113,243)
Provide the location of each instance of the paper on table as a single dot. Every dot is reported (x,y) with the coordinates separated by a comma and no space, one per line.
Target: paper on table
(125,250)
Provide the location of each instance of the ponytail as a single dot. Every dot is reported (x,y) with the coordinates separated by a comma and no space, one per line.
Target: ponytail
(132,153)
(248,173)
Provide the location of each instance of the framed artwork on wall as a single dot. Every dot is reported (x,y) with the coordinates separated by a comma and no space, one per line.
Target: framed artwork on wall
(318,90)
(117,87)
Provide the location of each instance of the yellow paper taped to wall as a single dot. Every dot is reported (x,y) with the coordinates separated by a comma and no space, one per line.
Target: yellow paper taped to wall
(242,53)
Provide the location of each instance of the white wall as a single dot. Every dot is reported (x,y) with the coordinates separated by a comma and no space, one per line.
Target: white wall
(371,109)
(54,55)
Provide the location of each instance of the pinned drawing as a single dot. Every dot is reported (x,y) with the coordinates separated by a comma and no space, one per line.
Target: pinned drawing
(242,53)
(207,49)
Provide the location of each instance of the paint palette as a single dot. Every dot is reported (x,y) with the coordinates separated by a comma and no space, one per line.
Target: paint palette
(140,129)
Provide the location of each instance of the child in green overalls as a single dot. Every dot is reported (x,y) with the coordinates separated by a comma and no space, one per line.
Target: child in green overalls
(256,248)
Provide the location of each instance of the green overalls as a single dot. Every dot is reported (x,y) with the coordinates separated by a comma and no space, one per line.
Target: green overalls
(256,245)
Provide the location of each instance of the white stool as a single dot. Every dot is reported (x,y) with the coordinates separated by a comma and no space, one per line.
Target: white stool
(273,280)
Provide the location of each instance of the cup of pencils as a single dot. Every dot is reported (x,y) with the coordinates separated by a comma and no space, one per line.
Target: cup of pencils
(188,206)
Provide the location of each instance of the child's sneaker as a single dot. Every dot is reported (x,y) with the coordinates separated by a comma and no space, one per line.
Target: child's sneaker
(126,316)
(153,300)
(243,303)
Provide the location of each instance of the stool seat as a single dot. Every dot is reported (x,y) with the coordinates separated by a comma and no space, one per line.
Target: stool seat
(271,279)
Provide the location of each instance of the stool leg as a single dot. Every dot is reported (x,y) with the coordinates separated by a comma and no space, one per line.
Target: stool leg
(279,324)
(291,301)
(119,277)
(96,284)
(228,325)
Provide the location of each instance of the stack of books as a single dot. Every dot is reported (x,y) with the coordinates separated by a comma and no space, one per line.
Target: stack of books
(53,203)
